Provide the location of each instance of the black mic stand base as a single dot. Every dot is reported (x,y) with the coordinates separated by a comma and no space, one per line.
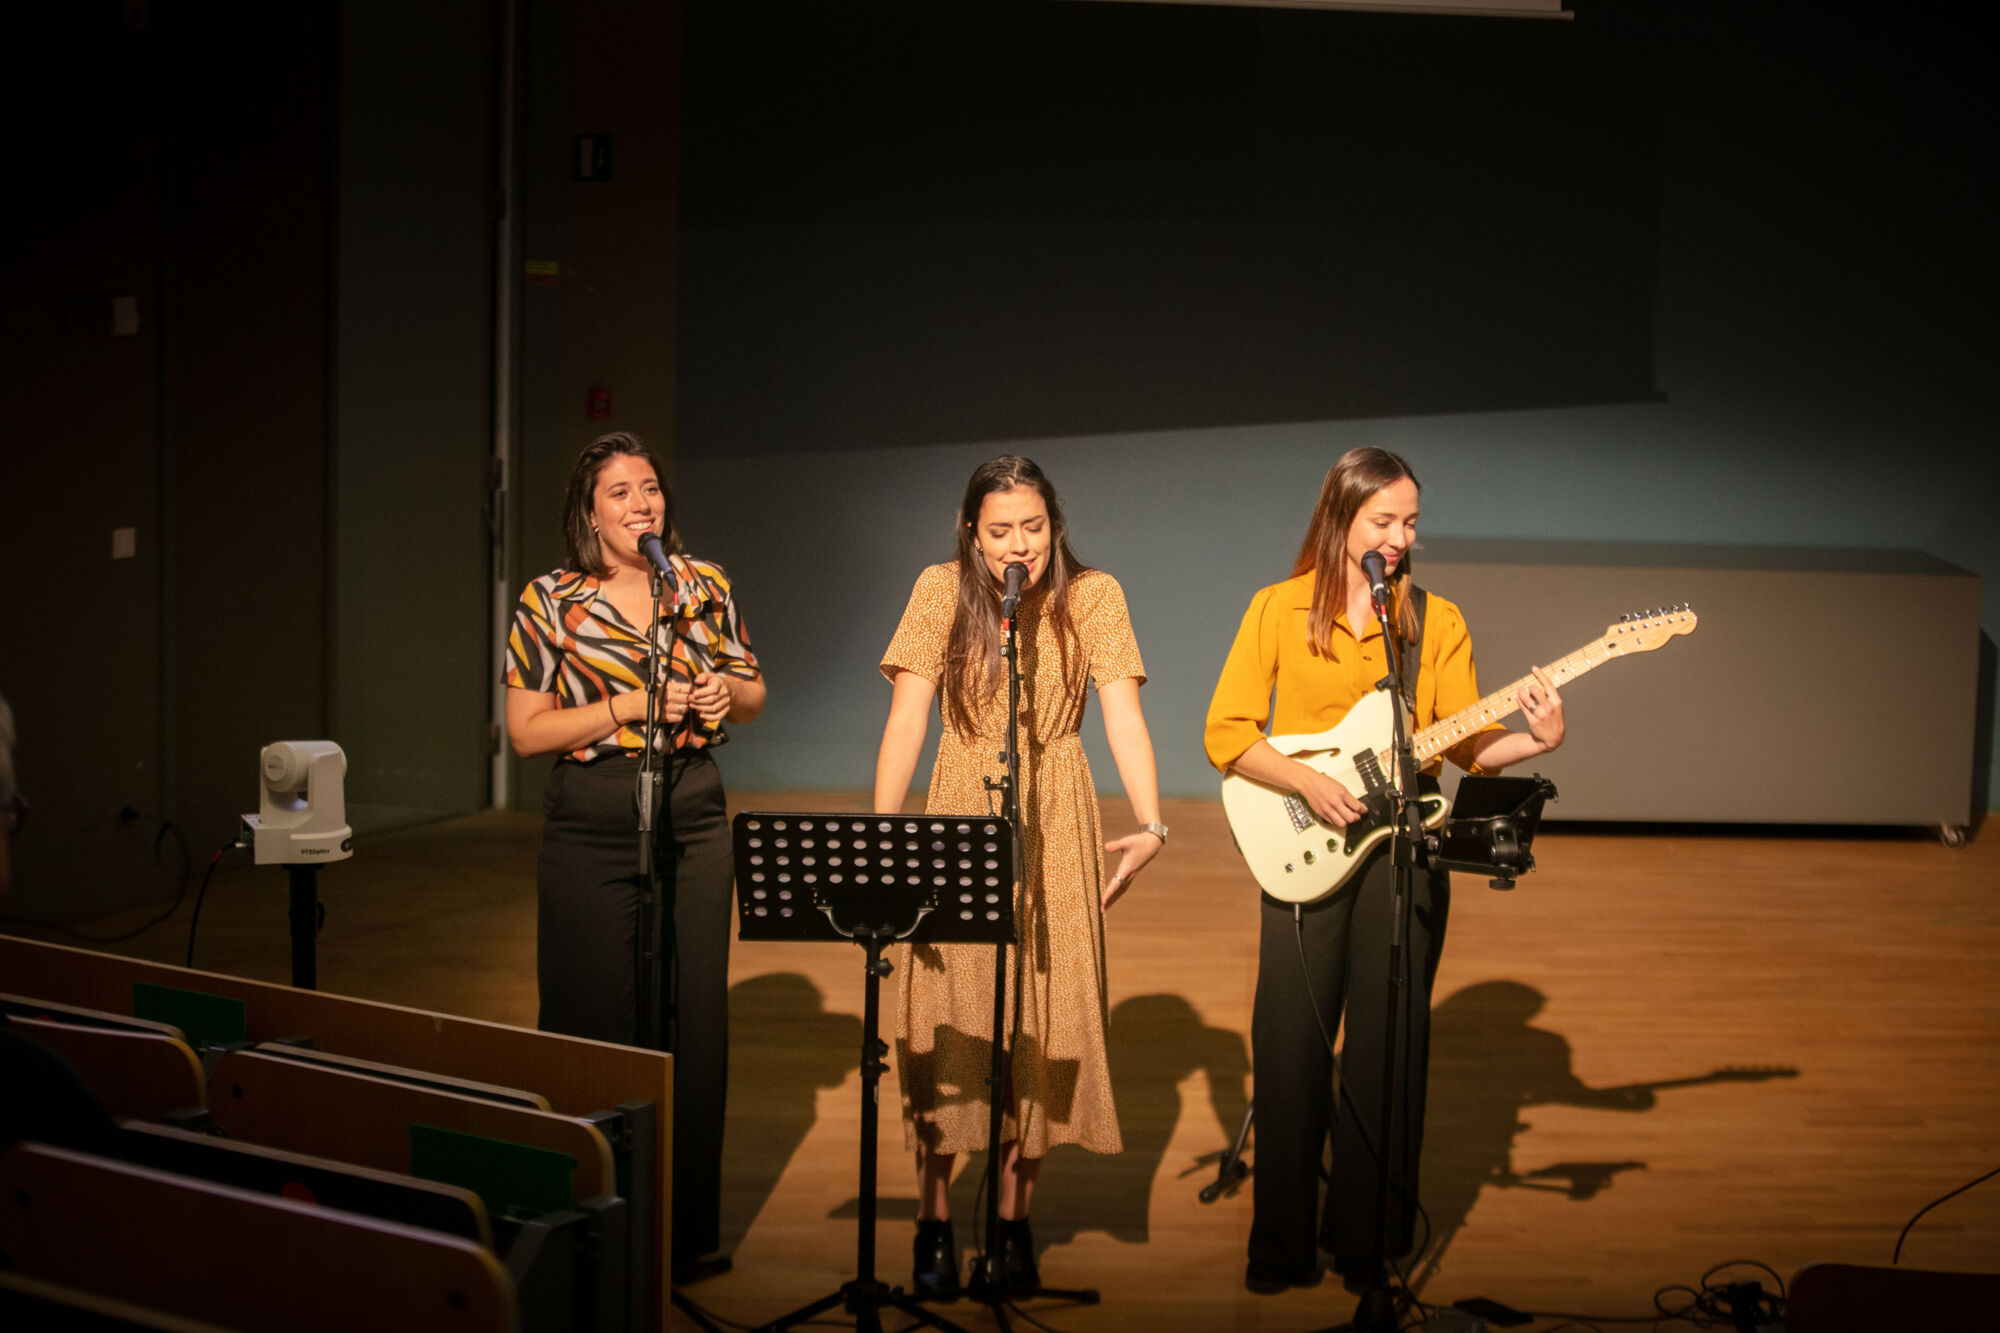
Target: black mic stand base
(988,1286)
(1378,1312)
(864,1298)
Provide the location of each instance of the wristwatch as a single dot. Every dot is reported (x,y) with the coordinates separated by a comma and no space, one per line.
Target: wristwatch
(1157,830)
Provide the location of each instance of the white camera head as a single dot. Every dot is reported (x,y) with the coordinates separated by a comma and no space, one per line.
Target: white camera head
(302,809)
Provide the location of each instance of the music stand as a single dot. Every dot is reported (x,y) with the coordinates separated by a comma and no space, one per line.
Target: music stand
(1492,827)
(871,880)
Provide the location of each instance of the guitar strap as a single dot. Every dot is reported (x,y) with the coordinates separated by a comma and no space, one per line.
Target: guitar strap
(1417,604)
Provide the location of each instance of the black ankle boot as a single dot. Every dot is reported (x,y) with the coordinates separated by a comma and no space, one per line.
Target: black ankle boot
(1017,1255)
(934,1270)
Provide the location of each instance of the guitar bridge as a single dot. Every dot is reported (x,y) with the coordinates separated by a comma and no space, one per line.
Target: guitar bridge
(1301,813)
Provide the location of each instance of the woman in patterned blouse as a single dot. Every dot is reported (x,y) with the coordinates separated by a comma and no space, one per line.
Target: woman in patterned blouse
(577,675)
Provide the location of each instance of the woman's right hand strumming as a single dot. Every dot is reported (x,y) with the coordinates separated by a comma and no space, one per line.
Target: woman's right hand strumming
(1329,799)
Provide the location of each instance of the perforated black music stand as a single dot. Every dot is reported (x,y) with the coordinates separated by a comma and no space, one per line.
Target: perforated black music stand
(871,880)
(1492,827)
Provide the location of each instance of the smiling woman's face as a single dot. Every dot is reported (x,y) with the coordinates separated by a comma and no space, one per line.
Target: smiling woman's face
(626,506)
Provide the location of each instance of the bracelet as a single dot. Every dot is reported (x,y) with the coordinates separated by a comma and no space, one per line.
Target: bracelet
(1157,830)
(611,705)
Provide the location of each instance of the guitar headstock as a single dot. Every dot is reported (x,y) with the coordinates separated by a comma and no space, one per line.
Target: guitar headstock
(1643,631)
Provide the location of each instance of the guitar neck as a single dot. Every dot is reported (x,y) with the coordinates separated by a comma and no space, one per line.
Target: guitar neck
(1435,739)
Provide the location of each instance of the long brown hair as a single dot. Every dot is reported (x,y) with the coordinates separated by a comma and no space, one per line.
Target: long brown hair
(972,656)
(579,538)
(1358,474)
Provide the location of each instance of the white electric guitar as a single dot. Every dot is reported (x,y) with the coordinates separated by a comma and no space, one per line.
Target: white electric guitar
(1296,858)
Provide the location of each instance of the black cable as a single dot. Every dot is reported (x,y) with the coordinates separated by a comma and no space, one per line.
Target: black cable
(1028,1318)
(1897,1256)
(1745,1263)
(1704,1307)
(195,920)
(716,1319)
(187,875)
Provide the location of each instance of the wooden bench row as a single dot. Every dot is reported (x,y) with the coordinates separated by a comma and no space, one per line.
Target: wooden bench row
(292,1199)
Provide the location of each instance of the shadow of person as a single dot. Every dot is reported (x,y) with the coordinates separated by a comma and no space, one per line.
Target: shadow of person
(785,1047)
(1154,1042)
(1488,1062)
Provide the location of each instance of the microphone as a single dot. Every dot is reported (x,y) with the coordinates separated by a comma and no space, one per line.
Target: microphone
(655,550)
(1377,570)
(1017,576)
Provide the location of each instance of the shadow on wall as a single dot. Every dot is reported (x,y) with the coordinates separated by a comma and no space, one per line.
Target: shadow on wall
(1488,1063)
(779,1028)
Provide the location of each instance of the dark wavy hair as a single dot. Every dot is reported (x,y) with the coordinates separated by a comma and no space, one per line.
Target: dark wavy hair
(579,538)
(1355,476)
(972,666)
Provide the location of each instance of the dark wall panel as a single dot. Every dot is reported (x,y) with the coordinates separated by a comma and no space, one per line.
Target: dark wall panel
(249,110)
(80,654)
(414,415)
(911,223)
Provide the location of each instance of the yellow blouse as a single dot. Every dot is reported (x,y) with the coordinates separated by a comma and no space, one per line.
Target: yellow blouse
(1314,690)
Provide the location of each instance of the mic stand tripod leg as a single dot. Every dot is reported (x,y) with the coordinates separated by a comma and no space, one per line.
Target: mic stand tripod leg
(1230,1171)
(866,1295)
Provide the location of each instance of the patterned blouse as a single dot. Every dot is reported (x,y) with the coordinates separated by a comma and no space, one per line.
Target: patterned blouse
(572,643)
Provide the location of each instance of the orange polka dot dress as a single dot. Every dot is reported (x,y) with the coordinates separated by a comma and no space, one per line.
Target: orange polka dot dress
(1060,1081)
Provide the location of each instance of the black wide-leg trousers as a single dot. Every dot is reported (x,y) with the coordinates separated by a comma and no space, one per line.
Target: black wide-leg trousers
(587,886)
(1345,969)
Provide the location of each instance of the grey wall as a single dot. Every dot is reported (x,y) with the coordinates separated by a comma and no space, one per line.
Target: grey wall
(1822,339)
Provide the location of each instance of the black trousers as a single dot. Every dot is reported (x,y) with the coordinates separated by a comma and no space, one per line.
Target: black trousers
(587,887)
(1346,969)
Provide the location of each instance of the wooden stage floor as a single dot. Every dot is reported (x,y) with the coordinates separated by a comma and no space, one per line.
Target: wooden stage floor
(1664,1051)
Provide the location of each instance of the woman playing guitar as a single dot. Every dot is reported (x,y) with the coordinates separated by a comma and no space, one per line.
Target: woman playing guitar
(1316,641)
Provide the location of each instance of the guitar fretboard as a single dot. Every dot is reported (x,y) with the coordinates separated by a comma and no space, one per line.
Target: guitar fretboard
(1441,736)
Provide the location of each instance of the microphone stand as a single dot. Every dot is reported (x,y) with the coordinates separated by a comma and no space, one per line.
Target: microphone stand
(1377,1310)
(989,1274)
(653,884)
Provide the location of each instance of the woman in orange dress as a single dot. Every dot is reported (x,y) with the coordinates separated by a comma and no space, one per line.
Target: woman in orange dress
(1073,629)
